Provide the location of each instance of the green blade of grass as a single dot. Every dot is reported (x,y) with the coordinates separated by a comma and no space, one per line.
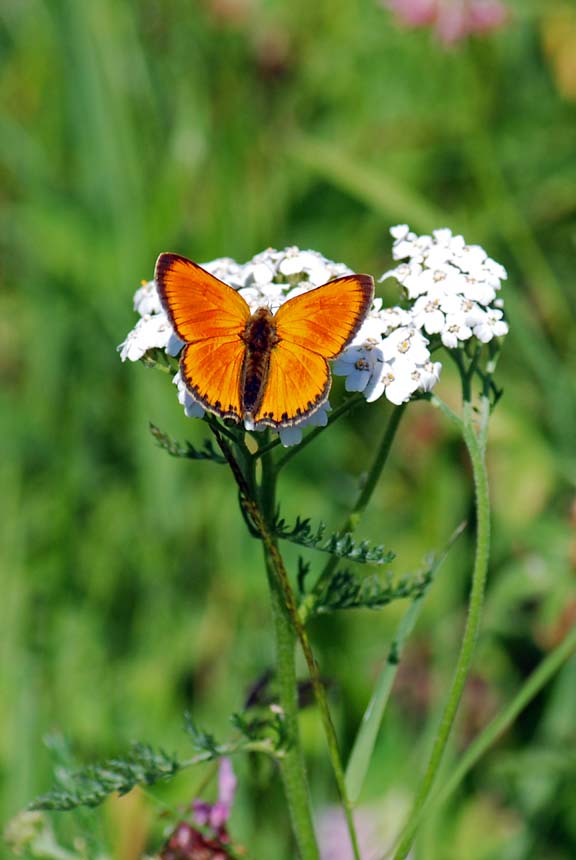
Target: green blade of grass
(375,188)
(543,673)
(363,747)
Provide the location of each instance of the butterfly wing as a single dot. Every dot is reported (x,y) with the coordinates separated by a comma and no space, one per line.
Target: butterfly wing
(198,304)
(210,317)
(326,319)
(212,369)
(298,383)
(311,327)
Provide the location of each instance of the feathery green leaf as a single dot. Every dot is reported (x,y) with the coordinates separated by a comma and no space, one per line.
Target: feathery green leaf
(187,451)
(90,786)
(340,544)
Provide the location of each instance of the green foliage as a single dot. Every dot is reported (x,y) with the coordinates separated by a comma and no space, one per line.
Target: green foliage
(143,765)
(339,544)
(186,451)
(259,727)
(202,742)
(347,590)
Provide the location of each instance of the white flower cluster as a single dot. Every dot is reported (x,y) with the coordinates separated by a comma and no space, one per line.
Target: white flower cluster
(451,289)
(269,279)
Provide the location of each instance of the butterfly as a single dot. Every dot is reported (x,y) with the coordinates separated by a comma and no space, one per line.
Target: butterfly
(260,368)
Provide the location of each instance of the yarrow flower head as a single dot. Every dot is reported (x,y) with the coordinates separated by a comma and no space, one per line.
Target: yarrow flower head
(455,285)
(451,293)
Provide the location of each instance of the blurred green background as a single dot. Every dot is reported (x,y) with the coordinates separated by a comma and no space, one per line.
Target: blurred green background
(130,590)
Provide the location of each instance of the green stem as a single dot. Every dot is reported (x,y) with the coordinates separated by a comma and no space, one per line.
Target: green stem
(347,406)
(464,662)
(285,606)
(259,504)
(320,694)
(308,604)
(377,466)
(292,767)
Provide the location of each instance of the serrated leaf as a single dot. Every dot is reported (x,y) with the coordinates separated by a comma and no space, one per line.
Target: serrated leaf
(91,785)
(202,741)
(339,544)
(186,451)
(347,590)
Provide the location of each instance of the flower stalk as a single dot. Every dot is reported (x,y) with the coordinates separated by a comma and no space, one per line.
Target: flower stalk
(281,588)
(474,443)
(292,766)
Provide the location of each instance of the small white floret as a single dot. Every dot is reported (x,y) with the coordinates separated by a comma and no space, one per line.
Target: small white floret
(192,408)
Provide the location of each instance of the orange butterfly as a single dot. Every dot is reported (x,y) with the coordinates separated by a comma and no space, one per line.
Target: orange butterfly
(260,368)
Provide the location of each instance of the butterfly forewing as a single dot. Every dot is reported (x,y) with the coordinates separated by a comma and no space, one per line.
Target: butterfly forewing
(326,319)
(210,317)
(198,304)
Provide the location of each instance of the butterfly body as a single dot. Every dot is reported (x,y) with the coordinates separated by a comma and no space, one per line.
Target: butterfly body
(260,339)
(260,368)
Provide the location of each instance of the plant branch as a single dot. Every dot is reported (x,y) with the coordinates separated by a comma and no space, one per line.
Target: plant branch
(292,765)
(347,406)
(281,588)
(465,656)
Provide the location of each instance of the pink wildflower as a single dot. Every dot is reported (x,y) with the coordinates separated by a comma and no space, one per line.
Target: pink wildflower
(187,842)
(216,815)
(451,20)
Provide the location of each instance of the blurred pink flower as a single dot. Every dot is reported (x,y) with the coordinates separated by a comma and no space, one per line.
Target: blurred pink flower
(187,842)
(451,20)
(376,827)
(216,815)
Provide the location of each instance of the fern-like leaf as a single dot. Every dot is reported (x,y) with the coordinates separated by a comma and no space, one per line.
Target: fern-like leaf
(347,590)
(90,786)
(187,451)
(339,544)
(202,741)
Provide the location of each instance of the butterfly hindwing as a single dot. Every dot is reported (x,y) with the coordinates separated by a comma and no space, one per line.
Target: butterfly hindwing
(212,369)
(326,319)
(297,385)
(198,304)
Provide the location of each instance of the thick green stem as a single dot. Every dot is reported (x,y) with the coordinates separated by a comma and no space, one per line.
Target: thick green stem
(476,453)
(283,598)
(292,764)
(292,767)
